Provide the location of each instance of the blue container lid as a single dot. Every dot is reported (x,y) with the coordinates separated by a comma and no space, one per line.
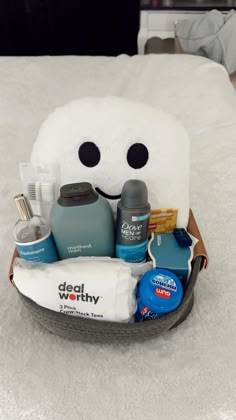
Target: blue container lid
(160,290)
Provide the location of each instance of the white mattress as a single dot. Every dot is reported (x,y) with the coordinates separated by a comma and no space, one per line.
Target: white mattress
(190,373)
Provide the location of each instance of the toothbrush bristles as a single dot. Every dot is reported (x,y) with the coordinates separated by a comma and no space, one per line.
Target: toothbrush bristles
(33,190)
(47,191)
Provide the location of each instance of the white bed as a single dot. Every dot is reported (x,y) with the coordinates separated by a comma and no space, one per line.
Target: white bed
(189,373)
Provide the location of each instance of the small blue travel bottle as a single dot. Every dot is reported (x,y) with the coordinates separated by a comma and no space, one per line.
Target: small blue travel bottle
(32,234)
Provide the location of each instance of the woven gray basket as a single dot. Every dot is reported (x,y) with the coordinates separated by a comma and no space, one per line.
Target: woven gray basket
(82,329)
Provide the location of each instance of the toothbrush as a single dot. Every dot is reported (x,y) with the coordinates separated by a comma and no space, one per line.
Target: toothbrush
(41,184)
(34,195)
(47,198)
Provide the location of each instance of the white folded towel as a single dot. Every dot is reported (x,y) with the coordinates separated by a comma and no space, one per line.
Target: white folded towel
(95,288)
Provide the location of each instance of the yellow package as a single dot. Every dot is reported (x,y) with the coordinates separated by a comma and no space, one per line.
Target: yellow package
(163,220)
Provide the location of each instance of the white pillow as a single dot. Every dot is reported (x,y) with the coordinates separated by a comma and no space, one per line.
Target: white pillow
(126,134)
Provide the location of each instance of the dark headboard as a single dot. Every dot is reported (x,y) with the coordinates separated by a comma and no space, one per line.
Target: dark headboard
(58,27)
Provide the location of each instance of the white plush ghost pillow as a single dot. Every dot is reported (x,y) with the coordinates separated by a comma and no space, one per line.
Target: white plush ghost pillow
(107,141)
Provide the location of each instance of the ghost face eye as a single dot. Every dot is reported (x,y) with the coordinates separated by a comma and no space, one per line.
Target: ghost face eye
(137,155)
(89,154)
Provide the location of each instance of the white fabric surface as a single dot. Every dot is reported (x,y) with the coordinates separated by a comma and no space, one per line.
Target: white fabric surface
(190,373)
(95,288)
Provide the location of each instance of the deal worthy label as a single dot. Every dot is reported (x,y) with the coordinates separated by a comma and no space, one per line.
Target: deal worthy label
(69,292)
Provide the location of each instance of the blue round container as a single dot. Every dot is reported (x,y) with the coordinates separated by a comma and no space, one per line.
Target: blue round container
(160,291)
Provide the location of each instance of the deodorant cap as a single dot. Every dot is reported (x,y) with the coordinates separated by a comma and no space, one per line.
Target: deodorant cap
(80,193)
(134,194)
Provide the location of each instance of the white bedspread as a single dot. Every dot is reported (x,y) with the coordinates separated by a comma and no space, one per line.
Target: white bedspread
(190,373)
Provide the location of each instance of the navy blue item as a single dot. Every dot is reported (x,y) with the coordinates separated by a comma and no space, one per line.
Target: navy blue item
(182,237)
(160,291)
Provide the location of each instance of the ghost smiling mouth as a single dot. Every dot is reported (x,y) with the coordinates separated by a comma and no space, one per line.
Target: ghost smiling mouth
(108,196)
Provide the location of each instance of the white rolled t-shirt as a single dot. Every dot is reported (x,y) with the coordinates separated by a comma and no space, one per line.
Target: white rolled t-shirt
(95,288)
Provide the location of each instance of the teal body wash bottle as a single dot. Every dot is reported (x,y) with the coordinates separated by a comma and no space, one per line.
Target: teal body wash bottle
(82,222)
